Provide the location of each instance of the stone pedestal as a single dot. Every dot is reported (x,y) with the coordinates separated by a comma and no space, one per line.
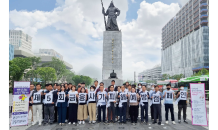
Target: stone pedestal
(107,82)
(112,54)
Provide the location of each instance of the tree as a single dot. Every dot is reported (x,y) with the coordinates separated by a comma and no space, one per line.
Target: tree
(47,74)
(76,79)
(201,72)
(67,76)
(80,78)
(35,61)
(32,74)
(17,67)
(58,65)
(165,76)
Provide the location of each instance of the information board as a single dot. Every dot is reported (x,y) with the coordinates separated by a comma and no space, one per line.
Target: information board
(198,104)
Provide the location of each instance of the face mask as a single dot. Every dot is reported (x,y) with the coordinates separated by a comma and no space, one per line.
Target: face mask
(168,88)
(140,86)
(92,90)
(152,88)
(182,88)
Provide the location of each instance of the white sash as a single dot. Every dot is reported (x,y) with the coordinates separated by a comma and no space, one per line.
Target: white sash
(49,98)
(123,98)
(61,97)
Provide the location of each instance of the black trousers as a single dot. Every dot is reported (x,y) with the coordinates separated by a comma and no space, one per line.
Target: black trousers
(55,114)
(152,111)
(144,109)
(73,112)
(133,113)
(43,112)
(103,108)
(67,113)
(167,107)
(180,107)
(157,112)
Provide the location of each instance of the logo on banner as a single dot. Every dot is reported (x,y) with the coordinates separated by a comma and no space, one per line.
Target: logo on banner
(111,96)
(22,97)
(48,98)
(61,97)
(91,96)
(82,97)
(133,98)
(156,99)
(183,95)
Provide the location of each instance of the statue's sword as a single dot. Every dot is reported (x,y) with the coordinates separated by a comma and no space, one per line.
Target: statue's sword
(104,15)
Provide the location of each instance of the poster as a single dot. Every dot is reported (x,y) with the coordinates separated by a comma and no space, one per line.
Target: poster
(20,103)
(198,104)
(133,98)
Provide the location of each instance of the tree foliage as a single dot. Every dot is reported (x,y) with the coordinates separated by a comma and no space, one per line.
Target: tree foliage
(67,76)
(47,74)
(35,61)
(201,72)
(80,78)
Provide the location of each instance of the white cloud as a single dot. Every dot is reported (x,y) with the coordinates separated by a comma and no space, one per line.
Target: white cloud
(82,21)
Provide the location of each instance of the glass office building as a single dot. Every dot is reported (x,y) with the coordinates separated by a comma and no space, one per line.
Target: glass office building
(11,52)
(185,40)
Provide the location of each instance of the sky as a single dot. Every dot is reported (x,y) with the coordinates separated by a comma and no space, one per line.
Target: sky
(74,28)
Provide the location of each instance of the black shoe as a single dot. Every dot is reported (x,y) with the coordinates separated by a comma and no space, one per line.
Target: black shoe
(146,123)
(154,122)
(185,122)
(98,122)
(120,123)
(124,122)
(141,122)
(159,123)
(105,122)
(50,123)
(45,123)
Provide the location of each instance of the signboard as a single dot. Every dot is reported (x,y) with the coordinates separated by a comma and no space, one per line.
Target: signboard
(111,96)
(20,103)
(82,97)
(198,104)
(156,99)
(133,98)
(61,97)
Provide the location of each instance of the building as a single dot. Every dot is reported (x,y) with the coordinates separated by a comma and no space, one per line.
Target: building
(11,52)
(22,43)
(46,55)
(153,74)
(185,40)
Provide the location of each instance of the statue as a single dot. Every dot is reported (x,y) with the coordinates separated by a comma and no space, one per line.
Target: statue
(112,13)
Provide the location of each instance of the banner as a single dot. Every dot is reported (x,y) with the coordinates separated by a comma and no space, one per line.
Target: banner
(61,97)
(111,96)
(82,97)
(101,97)
(20,103)
(49,98)
(91,96)
(72,98)
(133,98)
(156,99)
(198,104)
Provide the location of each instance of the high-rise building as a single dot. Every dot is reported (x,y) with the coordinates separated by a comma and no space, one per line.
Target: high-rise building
(153,74)
(185,40)
(22,43)
(11,52)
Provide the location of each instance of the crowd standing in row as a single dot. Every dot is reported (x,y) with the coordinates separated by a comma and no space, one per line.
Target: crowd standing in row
(66,103)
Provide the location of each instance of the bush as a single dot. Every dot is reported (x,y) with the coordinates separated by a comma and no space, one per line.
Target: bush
(10,90)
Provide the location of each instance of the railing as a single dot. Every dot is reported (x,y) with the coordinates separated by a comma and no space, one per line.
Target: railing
(204,15)
(203,4)
(204,21)
(204,10)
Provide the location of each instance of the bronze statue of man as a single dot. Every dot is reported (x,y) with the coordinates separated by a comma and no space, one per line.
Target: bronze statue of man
(112,13)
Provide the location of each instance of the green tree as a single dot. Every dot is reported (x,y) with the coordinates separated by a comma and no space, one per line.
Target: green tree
(76,79)
(32,74)
(165,76)
(47,74)
(201,72)
(35,61)
(58,65)
(67,76)
(80,78)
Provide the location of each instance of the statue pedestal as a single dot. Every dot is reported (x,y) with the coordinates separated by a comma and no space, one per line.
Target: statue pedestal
(107,82)
(112,54)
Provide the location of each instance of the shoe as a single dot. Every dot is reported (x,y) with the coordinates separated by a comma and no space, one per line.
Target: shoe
(159,123)
(124,122)
(120,123)
(66,120)
(63,124)
(166,122)
(132,123)
(93,122)
(50,123)
(33,123)
(79,122)
(146,123)
(154,122)
(59,123)
(174,122)
(40,123)
(185,122)
(141,122)
(83,122)
(74,123)
(179,121)
(105,122)
(69,123)
(90,122)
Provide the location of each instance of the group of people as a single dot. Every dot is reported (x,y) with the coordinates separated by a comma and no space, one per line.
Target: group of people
(64,103)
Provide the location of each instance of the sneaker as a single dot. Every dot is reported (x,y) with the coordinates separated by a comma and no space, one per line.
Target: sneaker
(66,120)
(83,122)
(93,122)
(154,122)
(141,122)
(69,123)
(33,123)
(105,122)
(166,122)
(90,122)
(40,123)
(159,123)
(185,122)
(50,123)
(132,123)
(146,123)
(74,123)
(59,123)
(179,121)
(63,124)
(79,122)
(174,122)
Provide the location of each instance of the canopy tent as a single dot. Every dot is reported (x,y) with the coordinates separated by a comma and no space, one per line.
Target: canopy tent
(195,78)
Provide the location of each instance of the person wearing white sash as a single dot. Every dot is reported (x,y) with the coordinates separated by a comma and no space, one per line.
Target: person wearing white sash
(101,96)
(151,106)
(133,102)
(92,105)
(58,88)
(122,105)
(169,95)
(62,102)
(30,101)
(73,105)
(129,90)
(117,111)
(82,107)
(144,97)
(156,102)
(182,103)
(37,104)
(50,100)
(112,104)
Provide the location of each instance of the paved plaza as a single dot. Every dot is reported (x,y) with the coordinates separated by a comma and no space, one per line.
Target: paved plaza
(116,126)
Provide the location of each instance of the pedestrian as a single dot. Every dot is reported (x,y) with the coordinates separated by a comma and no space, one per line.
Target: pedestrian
(73,105)
(169,95)
(82,107)
(133,98)
(144,96)
(43,101)
(62,102)
(37,104)
(58,88)
(30,101)
(127,109)
(112,104)
(117,104)
(156,102)
(151,106)
(182,103)
(122,105)
(101,96)
(92,105)
(50,100)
